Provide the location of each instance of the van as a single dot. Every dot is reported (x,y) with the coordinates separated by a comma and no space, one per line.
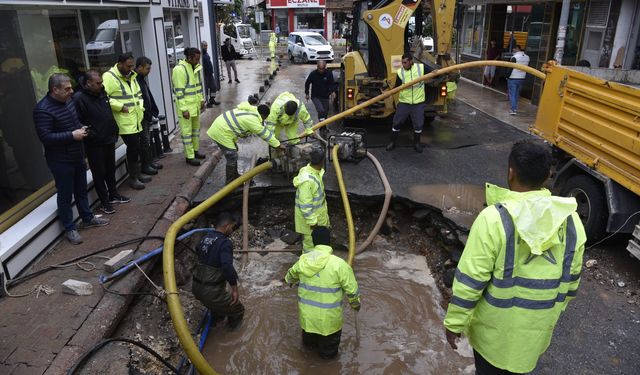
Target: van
(240,36)
(308,46)
(105,40)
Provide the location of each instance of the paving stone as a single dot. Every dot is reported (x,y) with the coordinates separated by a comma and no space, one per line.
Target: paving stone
(23,369)
(77,287)
(31,357)
(6,369)
(118,260)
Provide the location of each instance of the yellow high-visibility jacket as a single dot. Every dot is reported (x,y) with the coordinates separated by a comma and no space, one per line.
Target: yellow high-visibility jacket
(323,279)
(240,122)
(415,93)
(187,88)
(311,203)
(124,93)
(278,117)
(520,268)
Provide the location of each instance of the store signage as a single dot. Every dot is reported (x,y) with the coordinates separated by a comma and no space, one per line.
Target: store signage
(303,3)
(385,21)
(186,4)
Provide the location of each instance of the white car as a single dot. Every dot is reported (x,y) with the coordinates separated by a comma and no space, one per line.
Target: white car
(427,43)
(308,46)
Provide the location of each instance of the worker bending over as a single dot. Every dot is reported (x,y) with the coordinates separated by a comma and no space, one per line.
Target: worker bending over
(311,203)
(187,89)
(215,269)
(411,102)
(323,278)
(240,122)
(519,269)
(286,111)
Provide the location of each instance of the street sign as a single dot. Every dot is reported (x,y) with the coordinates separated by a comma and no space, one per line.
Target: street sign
(259,17)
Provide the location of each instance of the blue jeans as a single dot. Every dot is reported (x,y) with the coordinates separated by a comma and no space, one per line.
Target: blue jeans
(71,180)
(514,86)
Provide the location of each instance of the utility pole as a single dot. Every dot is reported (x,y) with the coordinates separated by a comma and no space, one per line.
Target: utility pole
(562,31)
(215,43)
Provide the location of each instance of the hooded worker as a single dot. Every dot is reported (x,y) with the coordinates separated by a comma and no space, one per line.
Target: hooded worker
(286,111)
(311,203)
(273,41)
(240,122)
(323,279)
(519,269)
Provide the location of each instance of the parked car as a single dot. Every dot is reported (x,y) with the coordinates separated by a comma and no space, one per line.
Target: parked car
(308,46)
(427,43)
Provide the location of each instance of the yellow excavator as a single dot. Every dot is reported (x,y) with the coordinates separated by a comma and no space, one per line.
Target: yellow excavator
(380,35)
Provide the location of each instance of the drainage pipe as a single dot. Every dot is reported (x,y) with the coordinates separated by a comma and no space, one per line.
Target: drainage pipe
(426,77)
(347,207)
(385,206)
(172,295)
(245,216)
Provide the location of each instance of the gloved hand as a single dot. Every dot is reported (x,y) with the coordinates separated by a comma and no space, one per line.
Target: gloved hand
(356,306)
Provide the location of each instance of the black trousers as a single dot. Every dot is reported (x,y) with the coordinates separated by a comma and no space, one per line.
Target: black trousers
(483,367)
(145,144)
(133,152)
(102,161)
(327,346)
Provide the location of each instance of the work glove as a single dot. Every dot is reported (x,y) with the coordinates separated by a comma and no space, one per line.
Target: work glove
(355,306)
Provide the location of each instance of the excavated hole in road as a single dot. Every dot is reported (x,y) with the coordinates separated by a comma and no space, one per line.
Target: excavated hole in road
(402,282)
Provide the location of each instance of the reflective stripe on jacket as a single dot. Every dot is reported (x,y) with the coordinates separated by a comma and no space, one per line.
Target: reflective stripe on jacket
(519,269)
(124,93)
(311,202)
(415,93)
(187,88)
(240,122)
(323,279)
(277,116)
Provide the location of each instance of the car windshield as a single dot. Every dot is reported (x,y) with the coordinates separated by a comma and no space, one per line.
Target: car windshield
(105,35)
(314,40)
(243,31)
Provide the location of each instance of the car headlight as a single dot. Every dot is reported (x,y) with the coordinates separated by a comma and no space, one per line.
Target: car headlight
(312,50)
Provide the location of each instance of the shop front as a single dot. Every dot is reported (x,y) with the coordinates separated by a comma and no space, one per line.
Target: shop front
(298,15)
(45,37)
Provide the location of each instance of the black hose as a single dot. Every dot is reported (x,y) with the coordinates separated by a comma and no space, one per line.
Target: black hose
(102,343)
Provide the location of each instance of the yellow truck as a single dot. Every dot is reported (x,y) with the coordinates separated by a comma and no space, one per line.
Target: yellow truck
(594,125)
(380,36)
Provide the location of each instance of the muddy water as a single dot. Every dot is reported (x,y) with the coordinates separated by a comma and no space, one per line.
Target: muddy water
(460,203)
(400,322)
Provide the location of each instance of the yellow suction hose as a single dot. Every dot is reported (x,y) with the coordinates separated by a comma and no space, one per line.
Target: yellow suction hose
(173,300)
(347,207)
(426,77)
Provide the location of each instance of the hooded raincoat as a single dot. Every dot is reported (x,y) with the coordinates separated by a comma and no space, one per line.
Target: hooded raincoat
(323,278)
(519,269)
(124,92)
(240,122)
(279,120)
(311,203)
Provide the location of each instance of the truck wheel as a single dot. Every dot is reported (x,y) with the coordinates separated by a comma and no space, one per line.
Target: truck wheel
(592,207)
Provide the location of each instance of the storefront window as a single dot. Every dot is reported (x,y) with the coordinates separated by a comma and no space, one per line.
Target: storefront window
(310,20)
(102,33)
(282,21)
(473,28)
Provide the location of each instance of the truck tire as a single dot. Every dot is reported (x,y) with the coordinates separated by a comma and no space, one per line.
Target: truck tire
(592,207)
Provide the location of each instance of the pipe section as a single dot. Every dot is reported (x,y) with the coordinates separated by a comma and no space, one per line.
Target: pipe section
(385,207)
(347,207)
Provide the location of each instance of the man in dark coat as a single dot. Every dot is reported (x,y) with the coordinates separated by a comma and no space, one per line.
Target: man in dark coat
(94,112)
(210,83)
(143,68)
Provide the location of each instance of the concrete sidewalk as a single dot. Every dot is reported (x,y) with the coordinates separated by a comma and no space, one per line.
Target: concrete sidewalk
(496,104)
(45,334)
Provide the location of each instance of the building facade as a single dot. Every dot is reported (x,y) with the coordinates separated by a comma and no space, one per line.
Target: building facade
(602,33)
(298,15)
(38,38)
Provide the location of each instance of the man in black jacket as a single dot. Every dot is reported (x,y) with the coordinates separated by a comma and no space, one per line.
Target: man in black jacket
(323,88)
(229,58)
(61,133)
(215,270)
(210,83)
(143,68)
(94,111)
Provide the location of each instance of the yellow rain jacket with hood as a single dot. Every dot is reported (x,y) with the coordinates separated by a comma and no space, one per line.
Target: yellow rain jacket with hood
(240,122)
(323,279)
(279,120)
(124,93)
(520,268)
(311,203)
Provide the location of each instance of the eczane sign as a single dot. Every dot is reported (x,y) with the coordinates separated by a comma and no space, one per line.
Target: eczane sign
(303,3)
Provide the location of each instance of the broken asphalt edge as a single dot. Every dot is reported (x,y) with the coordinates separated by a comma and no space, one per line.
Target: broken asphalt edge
(111,308)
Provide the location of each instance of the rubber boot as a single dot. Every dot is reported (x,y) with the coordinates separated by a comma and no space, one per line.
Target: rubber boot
(394,138)
(134,182)
(231,173)
(416,143)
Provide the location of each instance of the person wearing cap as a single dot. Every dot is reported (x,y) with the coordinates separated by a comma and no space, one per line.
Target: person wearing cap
(311,203)
(323,279)
(240,122)
(286,112)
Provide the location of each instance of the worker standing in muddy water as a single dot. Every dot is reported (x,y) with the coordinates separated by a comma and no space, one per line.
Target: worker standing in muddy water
(323,278)
(215,269)
(311,203)
(520,268)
